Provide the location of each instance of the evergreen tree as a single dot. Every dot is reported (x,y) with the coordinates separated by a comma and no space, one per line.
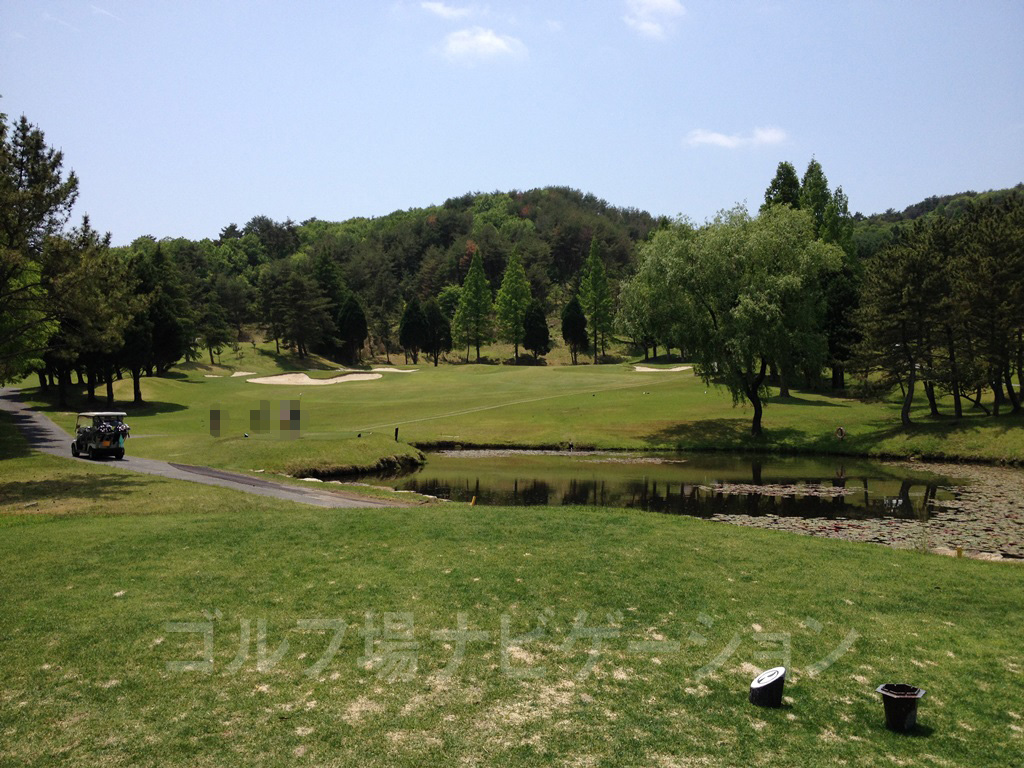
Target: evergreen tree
(512,302)
(305,314)
(352,330)
(212,324)
(384,301)
(97,299)
(574,328)
(536,334)
(170,315)
(842,288)
(412,329)
(35,202)
(897,312)
(784,189)
(273,304)
(596,298)
(438,337)
(814,194)
(473,316)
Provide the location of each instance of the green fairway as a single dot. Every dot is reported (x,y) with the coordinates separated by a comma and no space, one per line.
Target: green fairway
(609,406)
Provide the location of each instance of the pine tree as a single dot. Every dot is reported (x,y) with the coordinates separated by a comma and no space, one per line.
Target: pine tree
(305,313)
(352,329)
(512,302)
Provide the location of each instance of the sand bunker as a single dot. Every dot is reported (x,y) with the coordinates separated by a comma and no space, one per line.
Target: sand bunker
(243,373)
(302,380)
(211,375)
(393,370)
(646,369)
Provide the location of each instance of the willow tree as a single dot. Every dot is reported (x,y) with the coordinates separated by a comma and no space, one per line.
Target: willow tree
(750,293)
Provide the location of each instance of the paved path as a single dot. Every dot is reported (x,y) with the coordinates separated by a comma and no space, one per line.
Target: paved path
(43,435)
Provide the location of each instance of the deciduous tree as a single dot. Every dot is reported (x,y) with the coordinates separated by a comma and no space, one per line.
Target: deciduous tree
(596,298)
(512,302)
(751,292)
(473,325)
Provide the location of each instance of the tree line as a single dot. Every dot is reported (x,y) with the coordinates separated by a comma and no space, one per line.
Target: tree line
(801,290)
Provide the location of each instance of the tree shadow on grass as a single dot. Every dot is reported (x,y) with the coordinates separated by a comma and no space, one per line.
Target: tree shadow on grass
(92,488)
(777,400)
(172,375)
(77,402)
(946,425)
(12,444)
(287,361)
(718,435)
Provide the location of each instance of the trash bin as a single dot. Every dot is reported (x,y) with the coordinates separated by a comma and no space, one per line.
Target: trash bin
(900,702)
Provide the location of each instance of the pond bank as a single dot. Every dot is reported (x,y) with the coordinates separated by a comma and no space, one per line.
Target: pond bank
(930,506)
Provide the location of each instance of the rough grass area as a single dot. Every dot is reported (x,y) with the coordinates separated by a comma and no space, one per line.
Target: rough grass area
(608,406)
(629,638)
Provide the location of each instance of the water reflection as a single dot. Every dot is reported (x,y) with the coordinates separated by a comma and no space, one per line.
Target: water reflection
(862,491)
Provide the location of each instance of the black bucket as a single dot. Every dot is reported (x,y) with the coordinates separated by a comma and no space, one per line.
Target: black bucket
(900,702)
(766,690)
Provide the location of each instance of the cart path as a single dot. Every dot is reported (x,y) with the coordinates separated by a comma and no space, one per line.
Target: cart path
(45,436)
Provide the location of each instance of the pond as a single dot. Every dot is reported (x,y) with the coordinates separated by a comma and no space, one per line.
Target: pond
(898,504)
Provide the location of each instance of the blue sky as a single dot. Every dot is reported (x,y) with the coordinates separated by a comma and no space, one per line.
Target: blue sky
(181,117)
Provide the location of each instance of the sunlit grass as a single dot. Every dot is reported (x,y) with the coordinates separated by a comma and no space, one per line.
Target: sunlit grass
(101,567)
(608,406)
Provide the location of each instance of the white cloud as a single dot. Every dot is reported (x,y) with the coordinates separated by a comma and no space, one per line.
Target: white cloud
(479,43)
(653,18)
(761,137)
(445,11)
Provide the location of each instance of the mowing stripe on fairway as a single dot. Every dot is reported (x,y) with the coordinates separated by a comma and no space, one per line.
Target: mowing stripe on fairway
(501,405)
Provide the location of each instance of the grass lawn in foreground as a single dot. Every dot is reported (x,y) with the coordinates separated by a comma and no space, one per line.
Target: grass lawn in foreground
(608,406)
(98,585)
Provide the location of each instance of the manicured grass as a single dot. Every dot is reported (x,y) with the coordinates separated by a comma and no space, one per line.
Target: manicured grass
(102,567)
(608,406)
(90,603)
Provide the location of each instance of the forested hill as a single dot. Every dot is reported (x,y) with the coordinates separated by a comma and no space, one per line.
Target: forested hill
(421,250)
(942,205)
(873,232)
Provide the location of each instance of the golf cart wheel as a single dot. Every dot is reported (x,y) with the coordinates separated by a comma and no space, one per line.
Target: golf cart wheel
(120,454)
(74,449)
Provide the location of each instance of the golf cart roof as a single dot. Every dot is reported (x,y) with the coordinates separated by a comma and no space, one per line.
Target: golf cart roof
(102,413)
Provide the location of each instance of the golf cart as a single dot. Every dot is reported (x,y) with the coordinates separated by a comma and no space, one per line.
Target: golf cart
(100,433)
